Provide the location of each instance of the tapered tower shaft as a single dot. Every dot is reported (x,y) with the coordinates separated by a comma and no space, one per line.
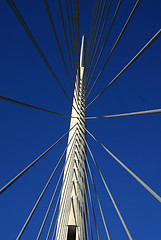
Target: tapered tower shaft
(72,218)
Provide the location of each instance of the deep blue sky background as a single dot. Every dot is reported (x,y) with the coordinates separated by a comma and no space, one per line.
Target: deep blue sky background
(26,133)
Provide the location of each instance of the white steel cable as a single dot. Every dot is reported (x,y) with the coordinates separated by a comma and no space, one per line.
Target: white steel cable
(31,164)
(24,25)
(104,44)
(128,114)
(99,204)
(114,46)
(41,195)
(91,202)
(53,196)
(110,195)
(10,100)
(128,65)
(128,170)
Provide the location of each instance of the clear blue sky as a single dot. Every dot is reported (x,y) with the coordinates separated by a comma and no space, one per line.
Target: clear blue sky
(26,133)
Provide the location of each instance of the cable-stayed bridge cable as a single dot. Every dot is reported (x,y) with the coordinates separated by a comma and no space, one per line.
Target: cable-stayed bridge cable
(95,41)
(77,28)
(59,47)
(53,217)
(6,99)
(93,212)
(100,54)
(99,204)
(128,65)
(127,114)
(50,204)
(110,195)
(65,177)
(66,39)
(52,199)
(91,39)
(102,30)
(70,34)
(127,169)
(31,164)
(21,20)
(65,190)
(90,33)
(73,32)
(57,41)
(114,46)
(42,193)
(89,220)
(94,32)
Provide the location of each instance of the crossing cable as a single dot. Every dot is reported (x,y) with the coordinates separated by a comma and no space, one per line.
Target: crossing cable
(57,40)
(66,39)
(86,179)
(53,217)
(126,168)
(91,26)
(78,13)
(92,37)
(53,196)
(81,191)
(117,41)
(94,34)
(91,202)
(100,54)
(72,44)
(76,36)
(89,219)
(93,29)
(70,34)
(55,225)
(102,215)
(31,106)
(21,20)
(72,10)
(110,195)
(77,28)
(80,180)
(47,212)
(67,210)
(86,202)
(85,226)
(102,30)
(128,65)
(41,195)
(128,114)
(65,189)
(73,32)
(99,204)
(58,44)
(31,164)
(90,33)
(87,208)
(64,179)
(98,29)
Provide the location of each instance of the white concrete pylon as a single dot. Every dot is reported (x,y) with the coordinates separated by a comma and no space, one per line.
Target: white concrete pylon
(72,218)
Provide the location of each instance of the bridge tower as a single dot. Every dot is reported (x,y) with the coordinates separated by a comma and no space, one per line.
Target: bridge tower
(72,218)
